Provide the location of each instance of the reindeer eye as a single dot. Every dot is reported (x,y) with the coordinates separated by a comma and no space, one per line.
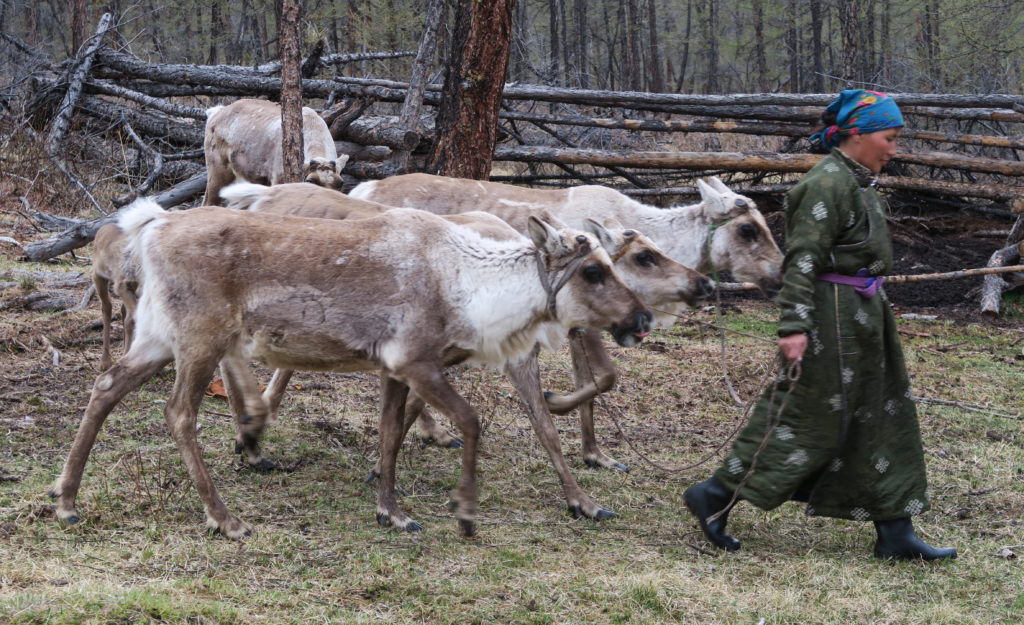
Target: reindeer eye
(748,232)
(629,234)
(581,239)
(740,202)
(645,259)
(593,274)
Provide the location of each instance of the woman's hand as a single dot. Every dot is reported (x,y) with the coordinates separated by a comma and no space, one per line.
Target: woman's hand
(793,346)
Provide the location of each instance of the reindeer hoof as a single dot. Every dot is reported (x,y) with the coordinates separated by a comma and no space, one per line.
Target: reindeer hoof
(467,528)
(455,443)
(551,399)
(71,520)
(413,526)
(383,520)
(238,447)
(264,466)
(371,477)
(604,514)
(596,464)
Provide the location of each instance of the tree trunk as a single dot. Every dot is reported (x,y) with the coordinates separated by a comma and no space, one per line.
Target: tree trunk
(849,20)
(582,45)
(553,16)
(79,18)
(711,38)
(817,63)
(684,61)
(289,13)
(216,29)
(793,43)
(468,111)
(634,73)
(655,65)
(760,62)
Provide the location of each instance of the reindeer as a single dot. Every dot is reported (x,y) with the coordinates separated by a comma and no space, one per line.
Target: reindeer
(725,231)
(408,294)
(657,280)
(243,141)
(113,269)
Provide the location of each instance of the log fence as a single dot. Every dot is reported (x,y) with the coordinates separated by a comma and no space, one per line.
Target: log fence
(959,149)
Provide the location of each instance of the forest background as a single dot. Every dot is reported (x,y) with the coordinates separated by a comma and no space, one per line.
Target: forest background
(691,46)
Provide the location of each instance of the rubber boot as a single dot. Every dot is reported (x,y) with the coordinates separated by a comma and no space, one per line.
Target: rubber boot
(706,498)
(897,539)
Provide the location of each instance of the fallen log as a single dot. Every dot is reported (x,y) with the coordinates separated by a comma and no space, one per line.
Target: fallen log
(180,110)
(181,132)
(379,131)
(733,161)
(750,128)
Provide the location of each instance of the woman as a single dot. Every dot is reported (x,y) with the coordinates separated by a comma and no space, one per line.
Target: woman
(843,436)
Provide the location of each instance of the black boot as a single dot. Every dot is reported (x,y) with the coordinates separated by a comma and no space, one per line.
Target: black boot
(896,539)
(706,498)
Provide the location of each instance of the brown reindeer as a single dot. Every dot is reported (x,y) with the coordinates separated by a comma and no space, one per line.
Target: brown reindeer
(657,280)
(408,294)
(243,141)
(113,269)
(724,232)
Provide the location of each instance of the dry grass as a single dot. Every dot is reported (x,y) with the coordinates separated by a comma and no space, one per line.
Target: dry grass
(141,555)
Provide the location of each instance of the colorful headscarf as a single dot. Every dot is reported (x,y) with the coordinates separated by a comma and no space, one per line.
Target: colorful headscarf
(859,111)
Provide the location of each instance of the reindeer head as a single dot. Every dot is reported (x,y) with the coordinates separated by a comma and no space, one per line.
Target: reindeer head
(583,287)
(658,280)
(739,240)
(325,172)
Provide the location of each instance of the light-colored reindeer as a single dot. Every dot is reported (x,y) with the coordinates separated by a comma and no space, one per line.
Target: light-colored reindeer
(657,280)
(725,231)
(408,294)
(243,142)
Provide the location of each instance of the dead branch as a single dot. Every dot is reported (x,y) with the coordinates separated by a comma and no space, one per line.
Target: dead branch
(158,167)
(180,110)
(67,106)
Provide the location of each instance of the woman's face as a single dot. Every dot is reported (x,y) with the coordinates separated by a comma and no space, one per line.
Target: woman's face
(873,150)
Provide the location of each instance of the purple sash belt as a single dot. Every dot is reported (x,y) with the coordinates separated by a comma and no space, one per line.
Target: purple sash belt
(865,286)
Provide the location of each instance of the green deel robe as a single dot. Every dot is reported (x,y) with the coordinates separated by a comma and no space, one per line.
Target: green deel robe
(848,440)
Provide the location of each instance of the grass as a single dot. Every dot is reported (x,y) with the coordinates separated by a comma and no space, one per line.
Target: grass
(142,555)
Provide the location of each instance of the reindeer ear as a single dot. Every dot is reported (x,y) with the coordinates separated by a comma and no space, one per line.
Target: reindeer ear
(719,185)
(308,166)
(712,200)
(542,234)
(340,163)
(606,238)
(707,192)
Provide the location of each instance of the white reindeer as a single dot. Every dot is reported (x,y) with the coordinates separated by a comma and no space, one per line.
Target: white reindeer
(725,231)
(243,142)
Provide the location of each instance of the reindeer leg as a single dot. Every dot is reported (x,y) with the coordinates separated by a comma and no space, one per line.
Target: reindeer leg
(430,430)
(111,386)
(392,432)
(592,368)
(427,381)
(275,390)
(103,293)
(592,455)
(193,374)
(249,410)
(525,375)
